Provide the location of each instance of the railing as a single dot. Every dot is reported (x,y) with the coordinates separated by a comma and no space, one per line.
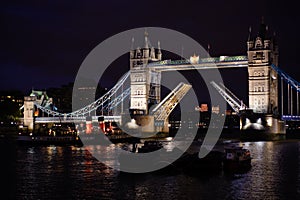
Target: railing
(96,104)
(290,118)
(201,60)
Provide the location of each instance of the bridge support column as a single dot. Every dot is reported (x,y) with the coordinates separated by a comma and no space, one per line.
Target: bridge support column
(89,125)
(148,124)
(259,125)
(101,123)
(274,125)
(29,112)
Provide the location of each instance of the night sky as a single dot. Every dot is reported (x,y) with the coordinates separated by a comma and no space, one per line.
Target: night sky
(43,43)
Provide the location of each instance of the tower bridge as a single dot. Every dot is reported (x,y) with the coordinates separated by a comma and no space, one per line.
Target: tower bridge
(145,74)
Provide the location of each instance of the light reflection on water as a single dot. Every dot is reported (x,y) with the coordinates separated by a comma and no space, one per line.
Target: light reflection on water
(56,172)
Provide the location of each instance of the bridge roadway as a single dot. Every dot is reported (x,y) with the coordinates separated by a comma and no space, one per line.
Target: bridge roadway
(168,65)
(40,120)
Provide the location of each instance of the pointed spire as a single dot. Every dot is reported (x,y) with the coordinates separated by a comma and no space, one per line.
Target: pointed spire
(158,46)
(146,38)
(249,36)
(263,29)
(208,49)
(132,43)
(159,54)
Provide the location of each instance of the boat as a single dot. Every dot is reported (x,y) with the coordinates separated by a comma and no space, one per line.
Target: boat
(236,157)
(48,140)
(50,137)
(150,146)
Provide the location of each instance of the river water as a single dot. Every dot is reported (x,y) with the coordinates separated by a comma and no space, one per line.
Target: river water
(69,172)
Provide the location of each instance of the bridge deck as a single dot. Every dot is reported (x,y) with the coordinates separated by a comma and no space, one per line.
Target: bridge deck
(75,119)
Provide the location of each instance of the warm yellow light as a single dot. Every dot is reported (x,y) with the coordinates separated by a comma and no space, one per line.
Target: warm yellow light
(269,122)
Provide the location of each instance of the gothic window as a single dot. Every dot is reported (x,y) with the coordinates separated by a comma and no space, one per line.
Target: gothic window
(138,53)
(258,42)
(259,89)
(258,56)
(134,64)
(266,45)
(255,73)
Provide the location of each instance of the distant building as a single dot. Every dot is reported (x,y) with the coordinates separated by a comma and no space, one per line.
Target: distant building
(10,104)
(194,59)
(228,112)
(215,109)
(204,107)
(12,96)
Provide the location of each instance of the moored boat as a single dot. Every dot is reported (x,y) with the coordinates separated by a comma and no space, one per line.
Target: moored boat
(48,140)
(236,157)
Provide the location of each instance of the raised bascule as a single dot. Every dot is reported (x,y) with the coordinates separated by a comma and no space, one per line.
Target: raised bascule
(151,113)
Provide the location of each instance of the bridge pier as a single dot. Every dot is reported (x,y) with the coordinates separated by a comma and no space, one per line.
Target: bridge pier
(148,124)
(145,124)
(260,126)
(275,125)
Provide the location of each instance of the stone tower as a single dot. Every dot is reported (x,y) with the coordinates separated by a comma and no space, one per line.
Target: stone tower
(29,111)
(262,79)
(145,83)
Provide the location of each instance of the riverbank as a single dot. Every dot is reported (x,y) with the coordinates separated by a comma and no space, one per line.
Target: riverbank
(12,134)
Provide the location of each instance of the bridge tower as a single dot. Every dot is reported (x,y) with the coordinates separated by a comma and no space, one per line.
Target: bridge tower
(263,82)
(144,83)
(29,111)
(262,79)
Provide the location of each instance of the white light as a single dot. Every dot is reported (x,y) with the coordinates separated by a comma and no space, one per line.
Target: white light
(260,144)
(269,122)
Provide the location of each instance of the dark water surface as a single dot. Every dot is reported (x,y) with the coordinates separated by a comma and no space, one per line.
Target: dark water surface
(68,172)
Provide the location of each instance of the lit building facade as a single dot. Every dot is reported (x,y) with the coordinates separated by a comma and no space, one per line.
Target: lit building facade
(262,79)
(145,83)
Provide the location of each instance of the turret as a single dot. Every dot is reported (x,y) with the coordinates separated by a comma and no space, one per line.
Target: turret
(159,55)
